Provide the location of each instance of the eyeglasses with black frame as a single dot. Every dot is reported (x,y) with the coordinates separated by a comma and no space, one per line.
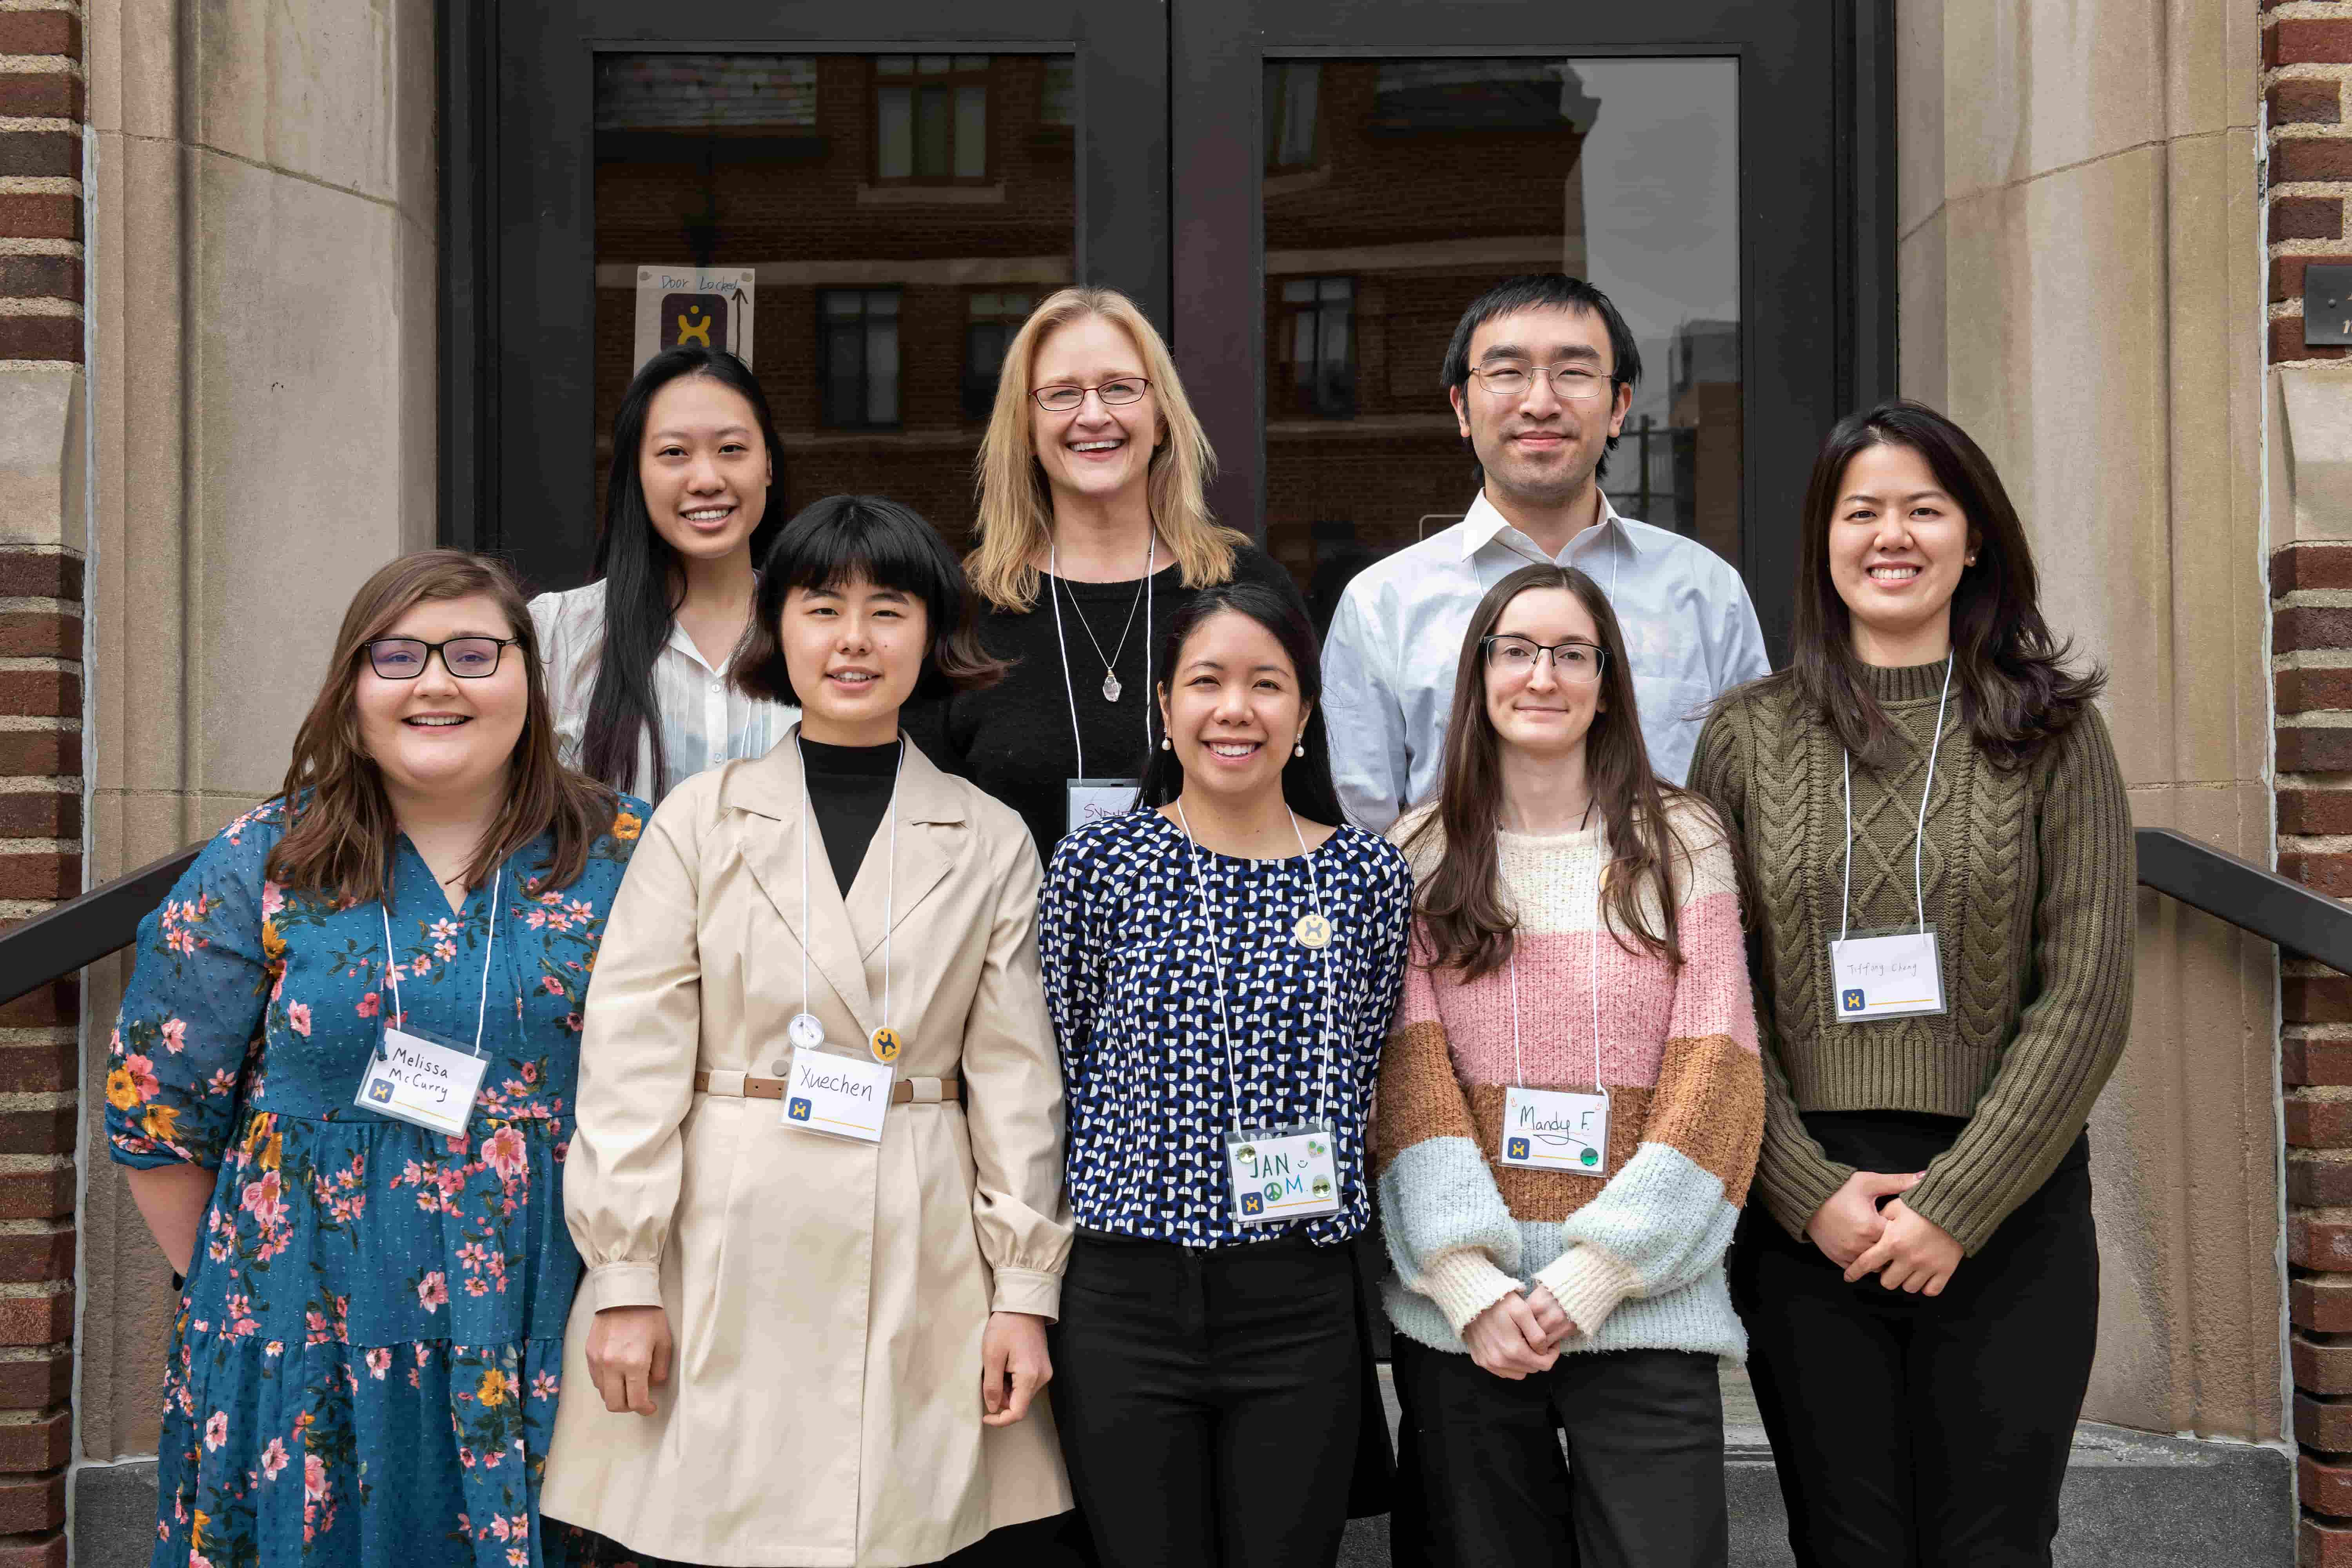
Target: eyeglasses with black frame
(468,659)
(1570,383)
(1575,663)
(1119,390)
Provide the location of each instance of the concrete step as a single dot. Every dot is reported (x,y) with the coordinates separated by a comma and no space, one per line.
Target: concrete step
(2131,1499)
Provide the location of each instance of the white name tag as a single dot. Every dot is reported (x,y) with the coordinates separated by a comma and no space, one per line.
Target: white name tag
(1283,1173)
(1099,800)
(1555,1130)
(1897,977)
(838,1095)
(414,1079)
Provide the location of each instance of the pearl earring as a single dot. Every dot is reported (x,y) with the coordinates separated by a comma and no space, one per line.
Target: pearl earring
(1299,750)
(1166,744)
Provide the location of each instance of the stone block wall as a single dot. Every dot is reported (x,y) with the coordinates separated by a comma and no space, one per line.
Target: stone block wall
(41,561)
(2307,82)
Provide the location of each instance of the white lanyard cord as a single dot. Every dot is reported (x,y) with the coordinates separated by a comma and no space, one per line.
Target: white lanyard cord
(1224,1030)
(889,888)
(1920,833)
(1069,692)
(1518,1065)
(490,946)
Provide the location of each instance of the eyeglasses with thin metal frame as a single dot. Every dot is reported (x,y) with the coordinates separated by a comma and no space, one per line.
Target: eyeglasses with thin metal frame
(1575,663)
(468,659)
(1120,389)
(1570,383)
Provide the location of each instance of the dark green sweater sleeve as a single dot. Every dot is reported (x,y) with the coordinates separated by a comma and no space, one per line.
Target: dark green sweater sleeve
(1794,1174)
(2077,1012)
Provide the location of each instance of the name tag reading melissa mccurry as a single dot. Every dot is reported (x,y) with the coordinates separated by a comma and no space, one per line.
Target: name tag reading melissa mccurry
(422,1081)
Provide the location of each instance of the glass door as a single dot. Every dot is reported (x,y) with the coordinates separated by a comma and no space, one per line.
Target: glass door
(1697,161)
(863,202)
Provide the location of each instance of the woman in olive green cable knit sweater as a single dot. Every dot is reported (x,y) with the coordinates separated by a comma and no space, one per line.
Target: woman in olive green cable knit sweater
(1920,1277)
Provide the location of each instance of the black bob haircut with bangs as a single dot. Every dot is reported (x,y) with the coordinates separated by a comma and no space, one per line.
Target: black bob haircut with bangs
(840,539)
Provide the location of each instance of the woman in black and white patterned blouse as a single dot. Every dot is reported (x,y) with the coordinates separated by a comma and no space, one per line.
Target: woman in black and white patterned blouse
(1221,963)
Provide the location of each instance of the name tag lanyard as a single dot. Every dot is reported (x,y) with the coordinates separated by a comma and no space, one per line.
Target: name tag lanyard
(1278,1174)
(1090,799)
(1554,1129)
(824,1106)
(413,1077)
(1899,974)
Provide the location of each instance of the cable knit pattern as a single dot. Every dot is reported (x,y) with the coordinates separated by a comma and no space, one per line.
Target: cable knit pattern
(1635,1254)
(2029,876)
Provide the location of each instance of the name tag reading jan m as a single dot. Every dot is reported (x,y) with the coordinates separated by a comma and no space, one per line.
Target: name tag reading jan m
(1099,800)
(1893,975)
(424,1081)
(840,1096)
(1556,1130)
(1282,1173)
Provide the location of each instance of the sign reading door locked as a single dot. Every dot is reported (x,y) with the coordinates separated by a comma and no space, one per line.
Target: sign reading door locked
(689,307)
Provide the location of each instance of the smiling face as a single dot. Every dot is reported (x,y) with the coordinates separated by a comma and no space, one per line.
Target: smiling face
(704,467)
(437,736)
(1897,545)
(1232,706)
(1095,451)
(1536,706)
(1540,449)
(855,652)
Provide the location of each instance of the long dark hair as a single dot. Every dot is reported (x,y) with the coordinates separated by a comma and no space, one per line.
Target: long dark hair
(1305,780)
(643,583)
(1466,923)
(843,537)
(339,823)
(2016,691)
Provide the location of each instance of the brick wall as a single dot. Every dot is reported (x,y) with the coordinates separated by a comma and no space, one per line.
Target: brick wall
(41,95)
(2307,81)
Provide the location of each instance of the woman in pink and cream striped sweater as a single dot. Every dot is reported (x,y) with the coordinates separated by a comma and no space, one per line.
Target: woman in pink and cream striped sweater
(1570,1104)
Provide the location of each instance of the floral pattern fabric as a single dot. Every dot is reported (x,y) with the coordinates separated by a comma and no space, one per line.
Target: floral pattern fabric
(364,1368)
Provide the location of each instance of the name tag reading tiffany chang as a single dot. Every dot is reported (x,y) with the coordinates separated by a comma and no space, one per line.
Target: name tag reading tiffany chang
(839,1095)
(1893,975)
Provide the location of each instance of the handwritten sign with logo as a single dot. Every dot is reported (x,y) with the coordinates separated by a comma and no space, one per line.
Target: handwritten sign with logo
(704,307)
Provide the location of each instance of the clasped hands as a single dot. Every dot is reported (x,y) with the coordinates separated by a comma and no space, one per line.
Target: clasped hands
(1867,1228)
(1520,1334)
(629,1351)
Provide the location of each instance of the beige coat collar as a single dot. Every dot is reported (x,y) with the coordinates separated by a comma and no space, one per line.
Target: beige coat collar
(932,829)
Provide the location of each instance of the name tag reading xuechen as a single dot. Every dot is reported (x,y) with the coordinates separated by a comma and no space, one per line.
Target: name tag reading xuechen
(840,1096)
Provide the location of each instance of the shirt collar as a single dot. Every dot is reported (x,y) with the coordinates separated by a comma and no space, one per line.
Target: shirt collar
(1483,525)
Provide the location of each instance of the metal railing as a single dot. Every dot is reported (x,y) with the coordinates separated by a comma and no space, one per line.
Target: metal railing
(2311,925)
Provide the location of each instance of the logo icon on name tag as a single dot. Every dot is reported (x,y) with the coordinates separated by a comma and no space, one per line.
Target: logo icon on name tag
(1251,1203)
(799,1110)
(381,1092)
(1854,1001)
(1518,1148)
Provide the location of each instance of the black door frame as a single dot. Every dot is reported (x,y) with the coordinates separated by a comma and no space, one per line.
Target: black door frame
(1817,232)
(517,298)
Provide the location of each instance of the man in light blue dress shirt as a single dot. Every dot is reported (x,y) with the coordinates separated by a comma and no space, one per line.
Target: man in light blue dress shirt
(1540,373)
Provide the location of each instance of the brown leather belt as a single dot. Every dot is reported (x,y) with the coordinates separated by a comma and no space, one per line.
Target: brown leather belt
(906,1092)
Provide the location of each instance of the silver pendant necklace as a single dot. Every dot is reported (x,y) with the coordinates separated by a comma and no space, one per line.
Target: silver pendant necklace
(1110,685)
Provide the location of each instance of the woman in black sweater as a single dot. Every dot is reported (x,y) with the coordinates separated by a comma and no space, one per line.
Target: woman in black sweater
(1092,527)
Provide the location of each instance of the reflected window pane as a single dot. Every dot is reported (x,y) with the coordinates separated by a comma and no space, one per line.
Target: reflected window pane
(1621,171)
(1061,93)
(876,327)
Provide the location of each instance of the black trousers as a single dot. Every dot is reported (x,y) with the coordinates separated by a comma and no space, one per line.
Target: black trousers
(1918,1432)
(1641,1487)
(1210,1401)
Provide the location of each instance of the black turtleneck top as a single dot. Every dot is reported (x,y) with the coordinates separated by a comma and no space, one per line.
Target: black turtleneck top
(849,789)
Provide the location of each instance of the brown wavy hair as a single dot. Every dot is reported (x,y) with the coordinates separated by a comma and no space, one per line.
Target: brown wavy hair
(339,826)
(2010,670)
(1465,922)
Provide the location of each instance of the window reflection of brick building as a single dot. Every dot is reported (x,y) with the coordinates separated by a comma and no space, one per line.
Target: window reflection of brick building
(900,210)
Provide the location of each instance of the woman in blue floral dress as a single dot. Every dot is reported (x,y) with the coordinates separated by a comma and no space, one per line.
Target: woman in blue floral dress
(365,1363)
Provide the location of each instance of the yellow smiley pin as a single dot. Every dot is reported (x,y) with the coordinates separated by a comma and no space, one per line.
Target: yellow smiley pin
(1312,932)
(885,1044)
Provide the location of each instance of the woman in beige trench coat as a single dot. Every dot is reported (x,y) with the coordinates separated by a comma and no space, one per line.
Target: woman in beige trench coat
(832,1303)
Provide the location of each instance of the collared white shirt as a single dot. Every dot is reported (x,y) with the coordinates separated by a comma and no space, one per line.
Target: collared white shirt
(1396,642)
(705,720)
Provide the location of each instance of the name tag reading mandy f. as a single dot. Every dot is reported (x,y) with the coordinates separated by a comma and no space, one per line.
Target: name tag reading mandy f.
(1283,1173)
(1099,800)
(1556,1130)
(415,1080)
(839,1095)
(1893,975)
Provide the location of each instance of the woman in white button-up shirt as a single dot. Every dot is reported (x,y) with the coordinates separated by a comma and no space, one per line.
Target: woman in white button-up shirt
(638,660)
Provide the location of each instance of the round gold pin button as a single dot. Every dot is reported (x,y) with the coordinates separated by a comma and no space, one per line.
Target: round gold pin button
(885,1044)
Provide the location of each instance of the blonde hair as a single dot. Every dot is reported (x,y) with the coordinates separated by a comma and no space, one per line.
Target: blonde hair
(1016,508)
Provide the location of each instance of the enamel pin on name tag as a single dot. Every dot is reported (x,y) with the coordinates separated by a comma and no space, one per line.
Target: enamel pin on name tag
(1283,1173)
(413,1077)
(1558,1129)
(1098,800)
(1896,973)
(839,1095)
